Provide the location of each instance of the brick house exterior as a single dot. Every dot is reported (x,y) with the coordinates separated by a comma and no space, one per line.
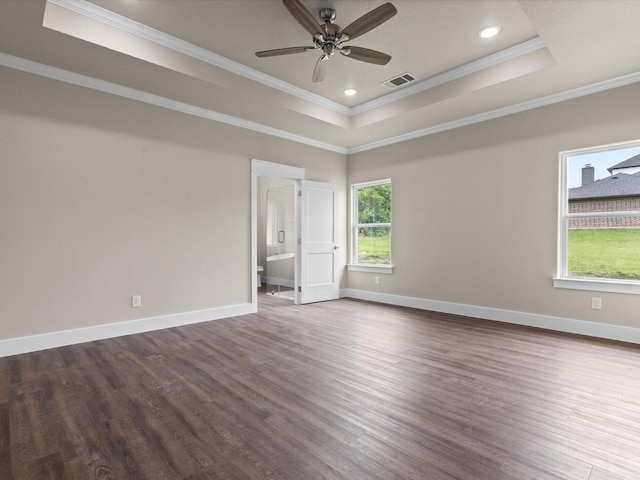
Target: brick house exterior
(619,192)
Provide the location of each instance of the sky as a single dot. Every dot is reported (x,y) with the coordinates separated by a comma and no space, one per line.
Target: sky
(601,161)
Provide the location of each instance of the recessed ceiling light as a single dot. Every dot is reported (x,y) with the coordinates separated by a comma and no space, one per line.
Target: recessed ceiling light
(350,92)
(489,31)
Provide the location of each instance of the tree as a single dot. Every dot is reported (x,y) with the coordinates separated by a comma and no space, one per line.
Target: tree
(374,206)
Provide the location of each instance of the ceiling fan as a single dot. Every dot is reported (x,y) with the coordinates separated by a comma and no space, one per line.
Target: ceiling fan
(330,38)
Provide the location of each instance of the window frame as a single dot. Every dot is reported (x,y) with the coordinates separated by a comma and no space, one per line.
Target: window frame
(562,278)
(354,266)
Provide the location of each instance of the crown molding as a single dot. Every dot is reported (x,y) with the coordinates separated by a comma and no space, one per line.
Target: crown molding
(66,76)
(55,73)
(483,63)
(158,37)
(122,91)
(123,23)
(503,112)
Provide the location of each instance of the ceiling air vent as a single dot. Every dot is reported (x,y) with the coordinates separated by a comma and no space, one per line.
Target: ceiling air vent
(398,81)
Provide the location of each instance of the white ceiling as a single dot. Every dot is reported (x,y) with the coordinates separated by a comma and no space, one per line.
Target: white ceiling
(198,56)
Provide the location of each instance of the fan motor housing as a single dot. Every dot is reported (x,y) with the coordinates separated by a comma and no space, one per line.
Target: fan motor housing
(330,30)
(328,15)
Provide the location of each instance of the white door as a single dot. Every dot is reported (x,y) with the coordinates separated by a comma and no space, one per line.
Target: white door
(318,260)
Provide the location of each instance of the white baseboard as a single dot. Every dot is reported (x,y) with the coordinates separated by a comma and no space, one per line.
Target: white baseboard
(568,325)
(14,346)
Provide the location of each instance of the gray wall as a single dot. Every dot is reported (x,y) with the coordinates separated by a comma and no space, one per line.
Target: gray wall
(475,209)
(102,198)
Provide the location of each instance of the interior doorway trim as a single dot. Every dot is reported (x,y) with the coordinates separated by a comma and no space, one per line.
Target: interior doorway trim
(260,168)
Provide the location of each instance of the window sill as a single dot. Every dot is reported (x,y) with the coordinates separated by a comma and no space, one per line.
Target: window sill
(385,269)
(598,285)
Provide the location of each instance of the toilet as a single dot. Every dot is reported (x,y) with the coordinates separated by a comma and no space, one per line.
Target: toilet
(259,280)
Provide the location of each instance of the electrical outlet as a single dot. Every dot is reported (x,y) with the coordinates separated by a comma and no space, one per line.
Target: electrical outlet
(376,280)
(596,303)
(136,301)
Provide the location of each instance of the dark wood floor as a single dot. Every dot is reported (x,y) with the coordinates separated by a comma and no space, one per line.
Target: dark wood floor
(336,390)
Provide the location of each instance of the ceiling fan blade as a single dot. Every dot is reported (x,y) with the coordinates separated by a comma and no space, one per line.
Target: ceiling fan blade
(321,69)
(303,16)
(370,20)
(366,55)
(283,51)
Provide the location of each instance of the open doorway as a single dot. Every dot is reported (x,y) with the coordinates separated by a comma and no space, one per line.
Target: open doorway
(312,248)
(265,176)
(277,234)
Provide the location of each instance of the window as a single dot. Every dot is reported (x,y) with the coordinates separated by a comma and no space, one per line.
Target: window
(599,244)
(371,226)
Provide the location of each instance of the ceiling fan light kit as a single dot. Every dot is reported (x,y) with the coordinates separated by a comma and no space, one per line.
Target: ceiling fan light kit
(329,38)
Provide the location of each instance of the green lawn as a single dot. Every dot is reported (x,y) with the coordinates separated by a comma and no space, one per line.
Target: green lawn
(374,250)
(607,253)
